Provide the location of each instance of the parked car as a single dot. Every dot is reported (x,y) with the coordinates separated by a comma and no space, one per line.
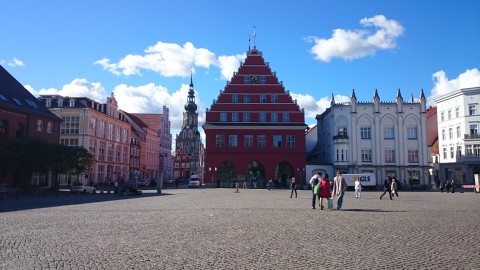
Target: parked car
(82,188)
(194,181)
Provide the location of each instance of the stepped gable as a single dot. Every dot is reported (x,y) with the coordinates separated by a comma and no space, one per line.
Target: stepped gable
(255,78)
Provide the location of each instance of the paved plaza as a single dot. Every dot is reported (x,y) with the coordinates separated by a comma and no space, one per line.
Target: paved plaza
(252,229)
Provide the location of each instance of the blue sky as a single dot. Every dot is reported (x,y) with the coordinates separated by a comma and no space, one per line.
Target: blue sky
(144,51)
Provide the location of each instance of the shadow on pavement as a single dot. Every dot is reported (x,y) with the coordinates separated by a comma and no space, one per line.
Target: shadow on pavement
(371,210)
(64,198)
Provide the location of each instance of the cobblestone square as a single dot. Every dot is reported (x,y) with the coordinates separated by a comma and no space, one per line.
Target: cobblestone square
(252,229)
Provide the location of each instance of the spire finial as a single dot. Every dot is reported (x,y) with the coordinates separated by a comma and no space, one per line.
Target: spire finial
(254,37)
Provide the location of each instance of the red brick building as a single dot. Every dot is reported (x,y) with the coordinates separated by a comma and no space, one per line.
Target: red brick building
(254,130)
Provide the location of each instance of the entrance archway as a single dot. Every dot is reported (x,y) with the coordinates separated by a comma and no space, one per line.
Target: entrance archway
(255,175)
(227,174)
(283,174)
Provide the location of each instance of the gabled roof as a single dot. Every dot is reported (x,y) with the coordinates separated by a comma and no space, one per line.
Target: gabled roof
(151,120)
(14,96)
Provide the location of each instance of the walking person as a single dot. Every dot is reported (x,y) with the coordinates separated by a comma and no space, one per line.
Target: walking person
(394,187)
(293,187)
(339,187)
(358,188)
(324,190)
(387,188)
(270,184)
(313,182)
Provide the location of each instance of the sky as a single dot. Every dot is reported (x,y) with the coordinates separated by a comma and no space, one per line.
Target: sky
(145,51)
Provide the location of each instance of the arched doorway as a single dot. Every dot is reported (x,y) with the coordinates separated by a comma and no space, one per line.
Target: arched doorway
(255,175)
(283,174)
(226,175)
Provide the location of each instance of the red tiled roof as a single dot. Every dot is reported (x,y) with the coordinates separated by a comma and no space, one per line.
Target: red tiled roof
(152,120)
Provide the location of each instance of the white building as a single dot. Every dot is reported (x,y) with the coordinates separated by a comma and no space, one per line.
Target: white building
(459,140)
(384,138)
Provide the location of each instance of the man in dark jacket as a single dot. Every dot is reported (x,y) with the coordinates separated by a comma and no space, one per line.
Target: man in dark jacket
(387,187)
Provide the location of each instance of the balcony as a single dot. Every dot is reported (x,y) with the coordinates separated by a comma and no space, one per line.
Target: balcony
(340,139)
(472,136)
(468,158)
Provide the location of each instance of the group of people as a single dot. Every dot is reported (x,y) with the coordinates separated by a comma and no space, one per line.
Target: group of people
(324,188)
(448,185)
(390,187)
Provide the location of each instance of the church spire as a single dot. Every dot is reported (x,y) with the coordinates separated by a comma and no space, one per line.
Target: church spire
(191,106)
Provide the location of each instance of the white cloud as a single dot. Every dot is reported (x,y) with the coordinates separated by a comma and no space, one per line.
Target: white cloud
(12,63)
(442,85)
(170,60)
(354,44)
(314,107)
(76,88)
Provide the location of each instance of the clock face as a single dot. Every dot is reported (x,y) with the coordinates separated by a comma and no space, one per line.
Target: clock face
(255,79)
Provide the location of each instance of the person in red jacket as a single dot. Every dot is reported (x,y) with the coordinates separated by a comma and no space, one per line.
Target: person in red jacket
(324,190)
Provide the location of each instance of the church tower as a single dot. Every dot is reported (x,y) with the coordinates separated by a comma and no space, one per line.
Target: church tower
(187,143)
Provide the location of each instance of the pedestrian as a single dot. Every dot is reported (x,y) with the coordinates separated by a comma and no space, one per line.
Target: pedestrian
(358,188)
(324,190)
(313,182)
(442,186)
(448,186)
(270,183)
(394,187)
(387,188)
(293,187)
(452,183)
(339,187)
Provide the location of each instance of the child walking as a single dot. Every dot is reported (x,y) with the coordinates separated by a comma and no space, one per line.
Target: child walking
(358,188)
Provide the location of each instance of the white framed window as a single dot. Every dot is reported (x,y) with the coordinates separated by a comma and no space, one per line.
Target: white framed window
(263,117)
(263,98)
(246,99)
(220,140)
(291,141)
(472,109)
(442,116)
(223,117)
(389,155)
(246,117)
(366,155)
(286,117)
(457,112)
(234,98)
(459,133)
(274,117)
(413,156)
(365,133)
(261,141)
(248,141)
(246,79)
(412,133)
(235,117)
(39,125)
(263,79)
(449,113)
(450,133)
(49,127)
(277,141)
(388,133)
(274,98)
(232,141)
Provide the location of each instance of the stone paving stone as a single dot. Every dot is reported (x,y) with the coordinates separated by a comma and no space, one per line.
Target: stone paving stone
(253,229)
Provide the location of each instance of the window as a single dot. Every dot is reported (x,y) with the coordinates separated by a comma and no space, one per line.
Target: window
(70,125)
(246,79)
(263,116)
(412,133)
(286,117)
(234,98)
(93,148)
(72,103)
(444,152)
(444,136)
(232,140)
(476,150)
(365,133)
(18,133)
(457,112)
(263,98)
(69,142)
(472,109)
(220,140)
(449,113)
(388,133)
(459,151)
(60,102)
(261,141)
(442,116)
(246,99)
(110,152)
(473,128)
(101,151)
(248,141)
(342,155)
(389,156)
(263,79)
(118,154)
(342,131)
(39,125)
(4,127)
(277,141)
(274,98)
(93,126)
(48,103)
(274,117)
(291,141)
(459,134)
(49,127)
(110,131)
(223,117)
(235,117)
(246,117)
(39,179)
(125,135)
(450,133)
(452,152)
(366,155)
(413,156)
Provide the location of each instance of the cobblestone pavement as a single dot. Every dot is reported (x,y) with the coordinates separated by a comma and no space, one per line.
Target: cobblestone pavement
(252,229)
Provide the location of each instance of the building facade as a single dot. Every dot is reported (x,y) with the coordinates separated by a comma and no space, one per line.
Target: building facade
(188,141)
(384,138)
(254,130)
(23,116)
(458,120)
(98,127)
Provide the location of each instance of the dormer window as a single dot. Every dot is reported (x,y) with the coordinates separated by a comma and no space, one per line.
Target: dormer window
(60,103)
(72,102)
(48,103)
